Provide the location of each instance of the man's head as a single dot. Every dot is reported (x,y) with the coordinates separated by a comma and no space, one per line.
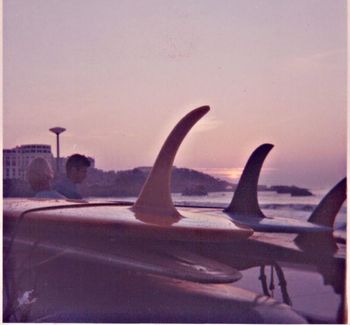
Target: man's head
(39,174)
(76,168)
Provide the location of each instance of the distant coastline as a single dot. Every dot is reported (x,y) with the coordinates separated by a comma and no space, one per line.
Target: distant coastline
(125,183)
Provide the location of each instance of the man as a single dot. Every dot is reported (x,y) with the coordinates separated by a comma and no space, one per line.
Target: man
(76,170)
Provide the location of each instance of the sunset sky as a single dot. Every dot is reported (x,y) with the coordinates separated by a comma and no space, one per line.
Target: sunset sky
(119,74)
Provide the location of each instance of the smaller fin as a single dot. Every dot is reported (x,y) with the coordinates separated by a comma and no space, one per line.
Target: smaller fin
(324,215)
(245,198)
(155,200)
(326,211)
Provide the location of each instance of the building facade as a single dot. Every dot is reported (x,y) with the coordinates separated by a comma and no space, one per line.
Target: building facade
(17,160)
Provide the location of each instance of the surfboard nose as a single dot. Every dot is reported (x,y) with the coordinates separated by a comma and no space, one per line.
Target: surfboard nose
(155,197)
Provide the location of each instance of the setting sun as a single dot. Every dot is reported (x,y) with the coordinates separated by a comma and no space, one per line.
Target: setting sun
(230,174)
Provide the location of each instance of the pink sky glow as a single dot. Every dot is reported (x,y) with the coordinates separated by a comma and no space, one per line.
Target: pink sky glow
(118,75)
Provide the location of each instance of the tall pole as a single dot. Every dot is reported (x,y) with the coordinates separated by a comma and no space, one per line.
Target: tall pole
(57,131)
(58,153)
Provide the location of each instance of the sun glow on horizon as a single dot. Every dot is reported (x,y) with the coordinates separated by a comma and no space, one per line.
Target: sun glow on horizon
(229,174)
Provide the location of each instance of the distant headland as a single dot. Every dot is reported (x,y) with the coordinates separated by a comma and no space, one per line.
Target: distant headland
(126,183)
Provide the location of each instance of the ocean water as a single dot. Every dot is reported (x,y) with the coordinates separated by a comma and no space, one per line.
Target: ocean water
(271,203)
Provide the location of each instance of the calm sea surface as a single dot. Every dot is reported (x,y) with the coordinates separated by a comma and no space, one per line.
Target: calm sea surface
(272,203)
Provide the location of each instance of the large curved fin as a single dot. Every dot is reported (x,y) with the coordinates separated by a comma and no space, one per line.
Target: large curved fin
(155,199)
(324,214)
(245,198)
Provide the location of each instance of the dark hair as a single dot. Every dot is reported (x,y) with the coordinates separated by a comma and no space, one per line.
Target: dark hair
(77,161)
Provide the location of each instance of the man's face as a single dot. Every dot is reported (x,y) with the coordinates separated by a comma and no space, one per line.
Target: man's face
(78,174)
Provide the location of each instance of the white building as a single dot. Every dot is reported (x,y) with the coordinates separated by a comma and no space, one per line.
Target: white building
(16,160)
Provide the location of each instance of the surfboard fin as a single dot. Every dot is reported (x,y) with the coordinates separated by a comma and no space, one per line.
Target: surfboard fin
(245,198)
(155,200)
(324,215)
(326,211)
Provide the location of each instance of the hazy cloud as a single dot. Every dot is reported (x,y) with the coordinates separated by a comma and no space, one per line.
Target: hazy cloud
(315,60)
(208,124)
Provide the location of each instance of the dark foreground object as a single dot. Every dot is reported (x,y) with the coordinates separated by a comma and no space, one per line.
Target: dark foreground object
(67,290)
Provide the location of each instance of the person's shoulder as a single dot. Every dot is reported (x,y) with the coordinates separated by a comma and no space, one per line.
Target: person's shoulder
(67,188)
(62,183)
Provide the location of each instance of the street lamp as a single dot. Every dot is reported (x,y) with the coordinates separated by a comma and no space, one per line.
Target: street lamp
(57,131)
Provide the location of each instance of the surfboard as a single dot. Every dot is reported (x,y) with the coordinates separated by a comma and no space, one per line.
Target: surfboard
(99,294)
(111,220)
(121,291)
(236,305)
(153,216)
(167,261)
(244,207)
(277,224)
